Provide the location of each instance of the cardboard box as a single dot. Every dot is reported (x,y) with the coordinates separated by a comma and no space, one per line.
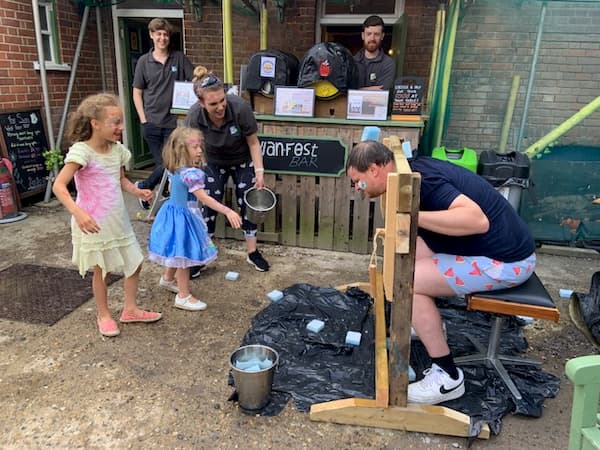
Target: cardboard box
(263,105)
(335,108)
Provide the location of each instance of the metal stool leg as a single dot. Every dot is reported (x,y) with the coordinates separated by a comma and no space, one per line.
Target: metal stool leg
(491,358)
(158,198)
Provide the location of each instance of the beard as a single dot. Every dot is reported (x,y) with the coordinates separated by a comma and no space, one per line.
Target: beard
(372,46)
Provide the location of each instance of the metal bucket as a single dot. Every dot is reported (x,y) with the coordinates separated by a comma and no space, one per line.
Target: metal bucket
(253,387)
(259,202)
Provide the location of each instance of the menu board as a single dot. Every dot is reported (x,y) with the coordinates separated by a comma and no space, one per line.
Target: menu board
(407,96)
(23,140)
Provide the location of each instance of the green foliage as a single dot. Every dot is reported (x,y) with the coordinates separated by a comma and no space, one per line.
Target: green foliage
(54,159)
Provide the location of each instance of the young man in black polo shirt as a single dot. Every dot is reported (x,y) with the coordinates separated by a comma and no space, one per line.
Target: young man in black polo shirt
(375,68)
(153,83)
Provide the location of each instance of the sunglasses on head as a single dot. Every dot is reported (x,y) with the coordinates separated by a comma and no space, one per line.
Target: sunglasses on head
(210,80)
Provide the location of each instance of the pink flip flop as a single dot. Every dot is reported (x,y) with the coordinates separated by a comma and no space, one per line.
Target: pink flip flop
(108,328)
(142,316)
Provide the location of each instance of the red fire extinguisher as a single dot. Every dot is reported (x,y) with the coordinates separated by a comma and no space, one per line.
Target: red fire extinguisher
(8,202)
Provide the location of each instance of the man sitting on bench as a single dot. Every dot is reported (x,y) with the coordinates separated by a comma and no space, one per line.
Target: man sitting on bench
(470,239)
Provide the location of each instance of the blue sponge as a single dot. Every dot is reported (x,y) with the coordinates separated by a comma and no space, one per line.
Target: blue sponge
(315,325)
(232,276)
(412,376)
(370,134)
(353,338)
(275,295)
(565,293)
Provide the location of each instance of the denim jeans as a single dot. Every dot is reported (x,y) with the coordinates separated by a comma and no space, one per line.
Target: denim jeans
(156,138)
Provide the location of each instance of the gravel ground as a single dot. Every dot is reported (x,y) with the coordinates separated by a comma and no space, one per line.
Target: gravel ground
(165,385)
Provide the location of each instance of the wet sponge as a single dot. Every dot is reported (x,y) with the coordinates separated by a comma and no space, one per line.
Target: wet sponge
(275,295)
(315,325)
(353,338)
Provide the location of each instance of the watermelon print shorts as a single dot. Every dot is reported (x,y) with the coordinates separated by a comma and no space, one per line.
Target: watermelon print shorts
(466,274)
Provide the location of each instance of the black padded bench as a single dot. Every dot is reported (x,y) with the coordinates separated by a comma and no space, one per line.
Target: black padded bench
(529,299)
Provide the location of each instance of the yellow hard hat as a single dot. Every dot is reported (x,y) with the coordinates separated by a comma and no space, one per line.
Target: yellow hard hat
(324,89)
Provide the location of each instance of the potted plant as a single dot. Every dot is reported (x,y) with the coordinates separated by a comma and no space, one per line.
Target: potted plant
(54,160)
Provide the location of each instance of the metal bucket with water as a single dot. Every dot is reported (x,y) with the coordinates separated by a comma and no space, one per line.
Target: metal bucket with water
(253,384)
(259,202)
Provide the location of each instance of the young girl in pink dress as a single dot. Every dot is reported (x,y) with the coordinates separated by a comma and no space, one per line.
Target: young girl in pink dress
(103,239)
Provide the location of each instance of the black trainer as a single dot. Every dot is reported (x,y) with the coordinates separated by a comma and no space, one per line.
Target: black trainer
(195,271)
(143,203)
(257,260)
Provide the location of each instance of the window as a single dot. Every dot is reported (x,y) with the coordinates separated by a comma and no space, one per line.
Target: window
(340,20)
(49,31)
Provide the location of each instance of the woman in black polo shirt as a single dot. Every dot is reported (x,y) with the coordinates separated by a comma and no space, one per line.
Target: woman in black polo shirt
(231,149)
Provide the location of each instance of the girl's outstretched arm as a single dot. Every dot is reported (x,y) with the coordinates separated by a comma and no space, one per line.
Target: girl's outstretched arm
(86,223)
(234,218)
(128,186)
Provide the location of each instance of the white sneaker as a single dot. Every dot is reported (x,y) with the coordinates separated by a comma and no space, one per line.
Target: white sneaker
(169,285)
(436,387)
(185,303)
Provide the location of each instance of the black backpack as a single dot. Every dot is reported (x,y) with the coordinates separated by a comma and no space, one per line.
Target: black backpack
(329,61)
(284,72)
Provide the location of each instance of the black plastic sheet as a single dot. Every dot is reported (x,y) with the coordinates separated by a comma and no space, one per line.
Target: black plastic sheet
(320,367)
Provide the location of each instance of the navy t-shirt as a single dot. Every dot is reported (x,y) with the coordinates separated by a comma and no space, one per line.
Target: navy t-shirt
(508,238)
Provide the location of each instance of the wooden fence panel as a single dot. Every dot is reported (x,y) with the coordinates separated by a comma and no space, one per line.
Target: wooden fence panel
(307,193)
(289,209)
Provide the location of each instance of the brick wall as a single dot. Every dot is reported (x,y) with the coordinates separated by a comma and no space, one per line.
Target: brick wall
(419,38)
(20,84)
(495,41)
(204,38)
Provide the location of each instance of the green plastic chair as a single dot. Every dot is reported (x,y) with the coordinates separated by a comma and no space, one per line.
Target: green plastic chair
(584,372)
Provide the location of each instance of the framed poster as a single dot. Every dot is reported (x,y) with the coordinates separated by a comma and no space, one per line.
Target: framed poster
(292,101)
(367,105)
(183,95)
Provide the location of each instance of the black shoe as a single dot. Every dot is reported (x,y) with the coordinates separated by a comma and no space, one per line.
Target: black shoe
(195,271)
(143,203)
(259,263)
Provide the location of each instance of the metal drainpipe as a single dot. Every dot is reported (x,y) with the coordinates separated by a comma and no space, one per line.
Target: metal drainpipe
(42,61)
(536,52)
(44,80)
(227,44)
(63,119)
(100,47)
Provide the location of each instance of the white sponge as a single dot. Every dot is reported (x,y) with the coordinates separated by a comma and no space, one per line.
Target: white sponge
(315,325)
(232,276)
(353,338)
(275,295)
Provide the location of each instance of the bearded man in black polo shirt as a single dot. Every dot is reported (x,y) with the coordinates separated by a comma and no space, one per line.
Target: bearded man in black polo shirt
(375,68)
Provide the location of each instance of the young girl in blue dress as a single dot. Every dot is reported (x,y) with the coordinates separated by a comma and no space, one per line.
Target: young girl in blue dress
(179,238)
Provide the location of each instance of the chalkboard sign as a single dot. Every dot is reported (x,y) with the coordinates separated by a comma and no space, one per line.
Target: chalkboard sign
(407,96)
(303,155)
(23,140)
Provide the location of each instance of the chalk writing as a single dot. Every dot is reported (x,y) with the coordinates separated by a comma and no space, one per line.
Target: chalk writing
(408,96)
(23,142)
(303,155)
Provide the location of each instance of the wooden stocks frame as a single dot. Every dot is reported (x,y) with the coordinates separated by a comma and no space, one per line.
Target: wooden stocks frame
(389,408)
